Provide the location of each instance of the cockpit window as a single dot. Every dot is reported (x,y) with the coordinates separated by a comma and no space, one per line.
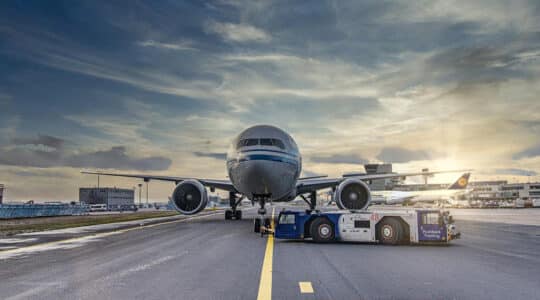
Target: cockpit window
(247,142)
(251,142)
(266,142)
(263,142)
(278,143)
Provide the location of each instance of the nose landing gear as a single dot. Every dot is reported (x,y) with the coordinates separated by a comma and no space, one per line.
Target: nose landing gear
(262,224)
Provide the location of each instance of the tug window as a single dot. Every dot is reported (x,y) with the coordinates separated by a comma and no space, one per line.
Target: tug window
(430,219)
(286,219)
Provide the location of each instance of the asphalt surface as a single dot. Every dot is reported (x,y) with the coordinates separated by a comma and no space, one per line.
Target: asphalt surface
(210,258)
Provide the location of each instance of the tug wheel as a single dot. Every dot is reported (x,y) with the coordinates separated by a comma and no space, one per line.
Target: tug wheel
(390,232)
(322,230)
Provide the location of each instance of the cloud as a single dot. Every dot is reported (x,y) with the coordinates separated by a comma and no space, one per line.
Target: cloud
(117,158)
(39,173)
(216,155)
(517,172)
(167,46)
(43,140)
(401,155)
(355,159)
(533,151)
(482,63)
(308,173)
(54,155)
(339,76)
(238,32)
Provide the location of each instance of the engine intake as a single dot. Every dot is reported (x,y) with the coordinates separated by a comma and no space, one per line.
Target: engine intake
(352,194)
(189,197)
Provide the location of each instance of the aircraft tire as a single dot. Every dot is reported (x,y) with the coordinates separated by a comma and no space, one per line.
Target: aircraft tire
(238,215)
(257,225)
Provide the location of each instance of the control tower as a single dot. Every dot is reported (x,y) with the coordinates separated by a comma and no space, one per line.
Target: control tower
(381,184)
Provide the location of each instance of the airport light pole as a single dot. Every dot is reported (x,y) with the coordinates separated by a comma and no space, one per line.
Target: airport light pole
(146,180)
(140,193)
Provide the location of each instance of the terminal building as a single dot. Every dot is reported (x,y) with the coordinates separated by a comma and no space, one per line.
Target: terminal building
(114,198)
(523,191)
(1,193)
(489,190)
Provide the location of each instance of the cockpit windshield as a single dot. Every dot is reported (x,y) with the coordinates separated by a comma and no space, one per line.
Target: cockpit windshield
(263,142)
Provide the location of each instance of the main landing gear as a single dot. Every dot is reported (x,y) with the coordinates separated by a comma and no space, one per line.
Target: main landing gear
(262,224)
(233,213)
(311,201)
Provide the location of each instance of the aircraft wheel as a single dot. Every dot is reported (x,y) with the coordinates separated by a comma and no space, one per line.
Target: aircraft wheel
(238,215)
(322,230)
(267,222)
(228,214)
(257,225)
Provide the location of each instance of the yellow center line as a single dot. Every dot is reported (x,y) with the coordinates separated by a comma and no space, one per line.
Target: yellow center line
(265,285)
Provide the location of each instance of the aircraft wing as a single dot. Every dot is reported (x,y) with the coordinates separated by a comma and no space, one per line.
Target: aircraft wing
(309,185)
(212,183)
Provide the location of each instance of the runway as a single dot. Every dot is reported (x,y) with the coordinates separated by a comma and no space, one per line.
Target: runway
(210,258)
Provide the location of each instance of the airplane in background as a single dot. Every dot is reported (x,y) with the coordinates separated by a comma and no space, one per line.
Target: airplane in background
(454,191)
(264,165)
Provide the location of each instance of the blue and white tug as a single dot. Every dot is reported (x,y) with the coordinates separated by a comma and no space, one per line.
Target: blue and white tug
(390,226)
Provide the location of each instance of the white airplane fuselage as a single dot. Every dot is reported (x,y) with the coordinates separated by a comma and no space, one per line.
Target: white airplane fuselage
(264,161)
(397,197)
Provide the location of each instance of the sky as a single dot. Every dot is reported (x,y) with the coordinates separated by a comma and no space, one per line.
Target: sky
(162,87)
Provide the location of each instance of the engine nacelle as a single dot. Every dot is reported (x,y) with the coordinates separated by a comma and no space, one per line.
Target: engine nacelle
(353,194)
(189,197)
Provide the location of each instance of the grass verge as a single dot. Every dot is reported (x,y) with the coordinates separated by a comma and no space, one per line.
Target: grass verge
(15,226)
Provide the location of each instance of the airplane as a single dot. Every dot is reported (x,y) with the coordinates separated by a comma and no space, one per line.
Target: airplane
(459,188)
(264,165)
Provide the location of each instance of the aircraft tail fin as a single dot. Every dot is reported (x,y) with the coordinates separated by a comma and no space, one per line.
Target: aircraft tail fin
(461,183)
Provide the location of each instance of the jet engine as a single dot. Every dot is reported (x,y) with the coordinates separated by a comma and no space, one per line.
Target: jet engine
(352,194)
(189,197)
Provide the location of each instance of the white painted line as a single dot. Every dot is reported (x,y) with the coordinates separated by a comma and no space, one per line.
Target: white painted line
(305,287)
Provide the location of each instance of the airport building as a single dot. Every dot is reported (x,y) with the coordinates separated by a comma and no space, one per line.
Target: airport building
(523,191)
(1,193)
(114,198)
(489,190)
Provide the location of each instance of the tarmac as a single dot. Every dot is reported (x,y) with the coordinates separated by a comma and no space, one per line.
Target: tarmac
(206,257)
